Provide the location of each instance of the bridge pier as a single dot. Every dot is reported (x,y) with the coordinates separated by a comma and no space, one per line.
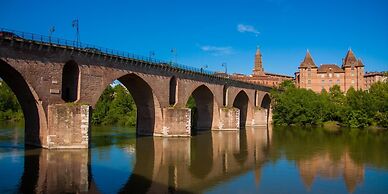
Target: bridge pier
(260,117)
(229,119)
(176,122)
(68,126)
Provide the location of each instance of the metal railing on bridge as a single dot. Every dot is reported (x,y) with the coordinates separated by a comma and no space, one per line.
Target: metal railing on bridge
(58,42)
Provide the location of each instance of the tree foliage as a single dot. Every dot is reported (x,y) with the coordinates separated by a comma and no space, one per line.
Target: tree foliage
(115,106)
(9,106)
(355,109)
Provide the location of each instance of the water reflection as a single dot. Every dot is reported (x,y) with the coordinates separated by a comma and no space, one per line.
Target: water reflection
(55,171)
(251,160)
(166,165)
(323,165)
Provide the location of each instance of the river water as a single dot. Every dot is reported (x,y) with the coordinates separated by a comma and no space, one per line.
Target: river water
(254,160)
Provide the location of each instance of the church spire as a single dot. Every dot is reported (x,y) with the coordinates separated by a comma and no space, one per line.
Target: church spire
(258,69)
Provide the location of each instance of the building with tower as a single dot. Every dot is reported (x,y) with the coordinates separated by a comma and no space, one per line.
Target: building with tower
(350,74)
(259,76)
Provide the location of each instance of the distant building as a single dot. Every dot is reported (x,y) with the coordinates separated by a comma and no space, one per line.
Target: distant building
(259,76)
(351,74)
(373,77)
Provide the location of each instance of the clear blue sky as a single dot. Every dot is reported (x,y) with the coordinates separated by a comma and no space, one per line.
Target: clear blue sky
(209,33)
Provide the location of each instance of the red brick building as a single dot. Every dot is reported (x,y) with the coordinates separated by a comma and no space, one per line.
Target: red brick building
(350,74)
(373,77)
(259,76)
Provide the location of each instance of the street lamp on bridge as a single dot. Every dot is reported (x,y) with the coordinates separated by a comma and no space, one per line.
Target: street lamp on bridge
(226,67)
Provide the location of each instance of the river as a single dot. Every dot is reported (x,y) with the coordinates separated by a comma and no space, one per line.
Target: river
(254,160)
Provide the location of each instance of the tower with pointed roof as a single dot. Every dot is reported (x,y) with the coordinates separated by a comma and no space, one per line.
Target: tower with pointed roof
(307,72)
(258,70)
(354,71)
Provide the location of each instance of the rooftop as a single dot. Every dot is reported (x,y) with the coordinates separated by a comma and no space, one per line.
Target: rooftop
(324,68)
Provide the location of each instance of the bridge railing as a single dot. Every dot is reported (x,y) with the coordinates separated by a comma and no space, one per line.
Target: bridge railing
(54,41)
(58,42)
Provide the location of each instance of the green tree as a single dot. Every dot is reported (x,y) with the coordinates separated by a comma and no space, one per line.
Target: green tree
(115,106)
(10,108)
(103,105)
(355,109)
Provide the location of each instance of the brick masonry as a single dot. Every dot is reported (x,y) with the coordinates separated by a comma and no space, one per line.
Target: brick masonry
(37,70)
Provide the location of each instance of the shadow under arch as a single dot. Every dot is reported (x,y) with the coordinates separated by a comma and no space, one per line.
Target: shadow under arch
(241,102)
(28,102)
(225,95)
(70,81)
(266,102)
(144,99)
(172,91)
(203,114)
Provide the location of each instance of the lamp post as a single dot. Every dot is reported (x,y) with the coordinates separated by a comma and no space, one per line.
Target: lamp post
(151,54)
(203,68)
(174,55)
(226,67)
(76,26)
(52,29)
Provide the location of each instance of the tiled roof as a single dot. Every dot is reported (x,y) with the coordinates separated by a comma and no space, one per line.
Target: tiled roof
(360,64)
(350,59)
(329,68)
(308,61)
(368,74)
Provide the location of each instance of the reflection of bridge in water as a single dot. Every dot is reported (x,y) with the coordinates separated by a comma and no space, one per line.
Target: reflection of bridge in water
(162,164)
(187,165)
(165,165)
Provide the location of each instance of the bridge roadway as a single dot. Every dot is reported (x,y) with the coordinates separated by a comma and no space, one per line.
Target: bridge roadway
(58,82)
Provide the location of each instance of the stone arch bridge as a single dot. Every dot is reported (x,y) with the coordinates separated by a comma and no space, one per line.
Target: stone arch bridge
(58,83)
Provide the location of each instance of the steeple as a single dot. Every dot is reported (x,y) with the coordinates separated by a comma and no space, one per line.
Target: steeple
(308,61)
(258,69)
(350,59)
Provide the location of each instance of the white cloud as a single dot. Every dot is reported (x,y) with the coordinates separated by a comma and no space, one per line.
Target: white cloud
(216,50)
(247,28)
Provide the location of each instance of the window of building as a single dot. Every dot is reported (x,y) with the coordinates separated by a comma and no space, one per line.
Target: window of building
(352,81)
(309,81)
(338,81)
(323,76)
(330,75)
(337,75)
(352,74)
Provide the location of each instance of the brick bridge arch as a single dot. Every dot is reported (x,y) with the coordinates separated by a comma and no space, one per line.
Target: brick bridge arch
(207,108)
(30,102)
(161,90)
